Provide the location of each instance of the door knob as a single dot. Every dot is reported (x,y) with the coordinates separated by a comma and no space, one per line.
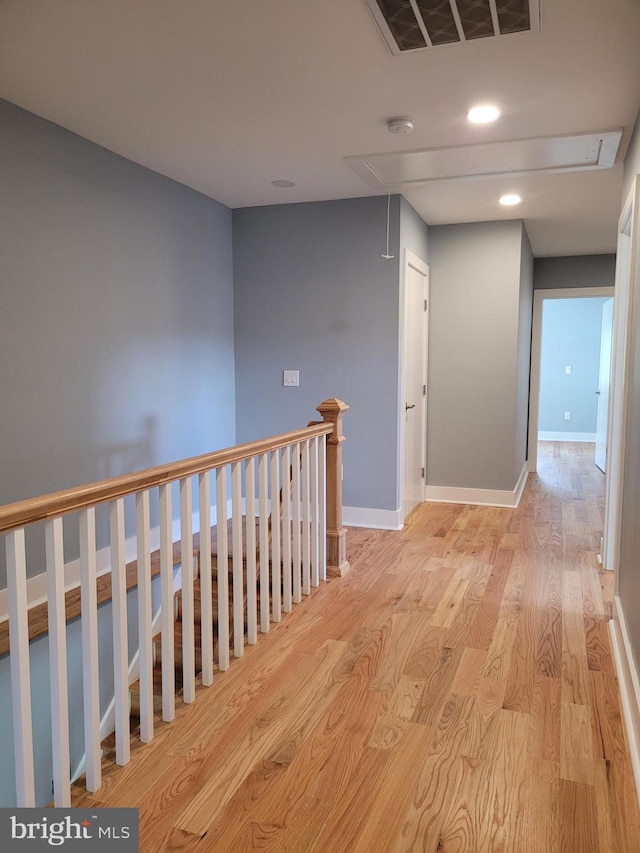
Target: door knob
(598,393)
(407,406)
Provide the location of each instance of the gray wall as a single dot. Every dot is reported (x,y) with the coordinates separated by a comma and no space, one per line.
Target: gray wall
(116,314)
(571,331)
(414,233)
(574,271)
(313,293)
(116,347)
(478,352)
(628,586)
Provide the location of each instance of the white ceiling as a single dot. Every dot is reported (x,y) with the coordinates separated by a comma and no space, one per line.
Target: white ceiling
(229,96)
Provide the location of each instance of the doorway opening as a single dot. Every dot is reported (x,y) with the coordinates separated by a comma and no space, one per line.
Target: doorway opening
(566,361)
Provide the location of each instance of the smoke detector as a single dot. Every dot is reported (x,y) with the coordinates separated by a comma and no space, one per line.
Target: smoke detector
(399,124)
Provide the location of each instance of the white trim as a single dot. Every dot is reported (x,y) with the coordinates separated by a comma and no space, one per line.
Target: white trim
(566,436)
(536,350)
(627,273)
(37,585)
(409,260)
(380,519)
(480,497)
(629,686)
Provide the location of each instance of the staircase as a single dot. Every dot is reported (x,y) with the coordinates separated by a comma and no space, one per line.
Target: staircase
(198,613)
(284,534)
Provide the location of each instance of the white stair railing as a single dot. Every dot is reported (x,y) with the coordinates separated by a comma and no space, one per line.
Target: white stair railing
(282,502)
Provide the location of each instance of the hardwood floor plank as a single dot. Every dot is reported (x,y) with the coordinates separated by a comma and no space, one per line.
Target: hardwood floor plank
(544,743)
(394,721)
(576,748)
(574,650)
(541,819)
(393,798)
(578,818)
(438,780)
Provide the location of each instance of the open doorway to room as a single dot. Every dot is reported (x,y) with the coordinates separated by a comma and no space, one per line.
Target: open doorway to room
(566,353)
(575,365)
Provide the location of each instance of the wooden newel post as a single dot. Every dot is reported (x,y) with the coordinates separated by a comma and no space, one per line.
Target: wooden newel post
(337,565)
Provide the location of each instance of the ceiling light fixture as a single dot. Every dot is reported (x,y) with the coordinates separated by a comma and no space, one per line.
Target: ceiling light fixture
(483,114)
(283,184)
(509,199)
(399,124)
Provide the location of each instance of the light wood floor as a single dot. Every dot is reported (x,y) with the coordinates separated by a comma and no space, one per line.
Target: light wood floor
(454,692)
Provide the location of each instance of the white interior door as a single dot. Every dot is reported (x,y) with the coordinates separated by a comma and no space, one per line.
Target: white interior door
(603,385)
(414,403)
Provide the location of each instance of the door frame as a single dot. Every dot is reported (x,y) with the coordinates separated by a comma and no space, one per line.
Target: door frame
(539,297)
(606,360)
(627,272)
(410,261)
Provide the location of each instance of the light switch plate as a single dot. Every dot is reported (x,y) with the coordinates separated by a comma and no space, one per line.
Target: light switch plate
(291,378)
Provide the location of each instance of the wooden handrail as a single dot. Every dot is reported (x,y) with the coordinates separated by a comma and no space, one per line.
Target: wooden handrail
(32,510)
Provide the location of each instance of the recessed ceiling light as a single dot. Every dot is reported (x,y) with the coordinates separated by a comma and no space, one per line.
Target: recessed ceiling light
(283,184)
(509,199)
(483,114)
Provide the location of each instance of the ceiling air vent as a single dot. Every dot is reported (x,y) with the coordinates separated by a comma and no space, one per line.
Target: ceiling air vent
(409,25)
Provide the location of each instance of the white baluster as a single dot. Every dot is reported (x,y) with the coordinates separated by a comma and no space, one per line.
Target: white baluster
(286,528)
(296,533)
(263,497)
(315,522)
(58,663)
(322,496)
(167,606)
(120,648)
(250,513)
(276,601)
(206,593)
(306,521)
(20,668)
(222,569)
(186,558)
(238,580)
(90,660)
(145,617)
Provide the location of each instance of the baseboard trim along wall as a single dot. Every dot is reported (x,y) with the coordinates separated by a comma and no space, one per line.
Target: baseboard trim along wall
(567,436)
(629,684)
(480,497)
(380,519)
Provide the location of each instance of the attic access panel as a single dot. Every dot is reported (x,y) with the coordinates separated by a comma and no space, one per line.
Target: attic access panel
(539,154)
(409,25)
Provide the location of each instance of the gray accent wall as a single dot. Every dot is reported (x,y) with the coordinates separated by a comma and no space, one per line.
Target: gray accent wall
(479,348)
(571,332)
(116,314)
(116,349)
(414,233)
(312,293)
(574,271)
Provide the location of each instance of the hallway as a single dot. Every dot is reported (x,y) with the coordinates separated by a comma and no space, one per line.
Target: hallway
(455,691)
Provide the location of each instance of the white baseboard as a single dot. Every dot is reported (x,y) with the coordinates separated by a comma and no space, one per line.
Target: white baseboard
(629,684)
(566,436)
(381,519)
(509,498)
